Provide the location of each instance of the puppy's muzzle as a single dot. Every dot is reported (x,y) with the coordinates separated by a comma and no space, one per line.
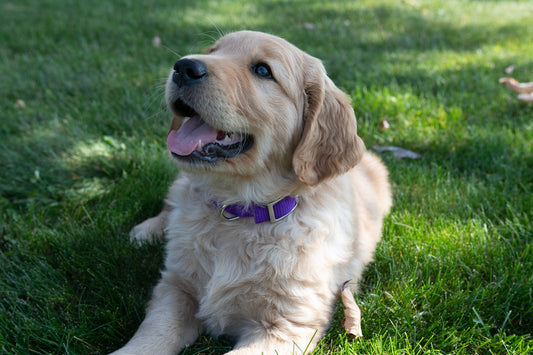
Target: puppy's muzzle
(188,72)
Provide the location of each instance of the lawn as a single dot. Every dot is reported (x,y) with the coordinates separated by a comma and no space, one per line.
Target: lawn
(83,159)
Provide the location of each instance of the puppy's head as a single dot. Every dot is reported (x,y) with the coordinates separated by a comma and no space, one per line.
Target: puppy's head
(255,103)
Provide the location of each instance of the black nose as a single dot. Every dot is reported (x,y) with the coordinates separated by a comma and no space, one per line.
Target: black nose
(188,71)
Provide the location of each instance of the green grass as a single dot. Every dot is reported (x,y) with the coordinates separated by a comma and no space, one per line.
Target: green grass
(83,160)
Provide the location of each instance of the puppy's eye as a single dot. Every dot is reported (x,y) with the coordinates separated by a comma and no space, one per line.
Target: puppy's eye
(262,70)
(211,49)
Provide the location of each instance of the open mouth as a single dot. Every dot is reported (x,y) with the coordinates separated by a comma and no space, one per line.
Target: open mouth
(196,140)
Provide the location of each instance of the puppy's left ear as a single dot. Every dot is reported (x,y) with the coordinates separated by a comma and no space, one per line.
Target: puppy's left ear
(329,144)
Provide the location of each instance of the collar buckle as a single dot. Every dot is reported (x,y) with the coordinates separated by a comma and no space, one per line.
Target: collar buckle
(272,214)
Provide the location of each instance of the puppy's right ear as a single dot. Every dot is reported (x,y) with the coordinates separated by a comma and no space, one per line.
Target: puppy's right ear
(329,144)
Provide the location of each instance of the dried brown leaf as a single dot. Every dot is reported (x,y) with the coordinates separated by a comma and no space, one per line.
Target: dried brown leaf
(513,84)
(384,124)
(352,313)
(526,97)
(398,152)
(20,104)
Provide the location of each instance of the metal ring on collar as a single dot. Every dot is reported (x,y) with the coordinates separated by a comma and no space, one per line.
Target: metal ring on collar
(227,218)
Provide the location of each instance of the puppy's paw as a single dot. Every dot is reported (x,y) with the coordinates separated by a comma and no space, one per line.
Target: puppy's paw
(150,230)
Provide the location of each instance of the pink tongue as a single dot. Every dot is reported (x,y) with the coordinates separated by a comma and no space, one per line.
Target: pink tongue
(187,138)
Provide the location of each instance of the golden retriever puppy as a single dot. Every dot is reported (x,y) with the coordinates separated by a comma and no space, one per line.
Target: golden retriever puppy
(277,203)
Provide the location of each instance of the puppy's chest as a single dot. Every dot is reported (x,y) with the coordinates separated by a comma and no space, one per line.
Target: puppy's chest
(240,272)
(218,256)
(231,273)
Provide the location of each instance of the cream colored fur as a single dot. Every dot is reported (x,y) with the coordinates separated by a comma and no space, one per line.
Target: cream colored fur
(272,286)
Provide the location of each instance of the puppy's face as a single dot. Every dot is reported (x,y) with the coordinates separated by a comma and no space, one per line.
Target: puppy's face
(256,102)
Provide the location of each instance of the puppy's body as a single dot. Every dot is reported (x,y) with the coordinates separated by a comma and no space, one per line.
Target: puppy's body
(270,285)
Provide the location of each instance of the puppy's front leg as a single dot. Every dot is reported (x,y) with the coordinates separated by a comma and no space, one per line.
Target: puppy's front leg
(150,229)
(169,326)
(303,342)
(154,228)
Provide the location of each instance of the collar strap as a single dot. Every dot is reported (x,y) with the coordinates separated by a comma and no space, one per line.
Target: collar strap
(272,212)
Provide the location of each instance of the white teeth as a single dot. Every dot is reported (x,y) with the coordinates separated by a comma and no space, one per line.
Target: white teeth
(230,139)
(226,140)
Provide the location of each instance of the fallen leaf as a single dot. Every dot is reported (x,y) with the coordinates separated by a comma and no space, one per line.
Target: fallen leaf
(384,124)
(398,152)
(513,84)
(156,41)
(352,313)
(309,26)
(20,104)
(526,97)
(509,69)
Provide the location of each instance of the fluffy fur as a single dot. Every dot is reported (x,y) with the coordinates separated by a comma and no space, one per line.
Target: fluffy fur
(272,286)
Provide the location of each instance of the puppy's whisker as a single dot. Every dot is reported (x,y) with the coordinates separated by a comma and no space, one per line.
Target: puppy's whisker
(156,98)
(219,33)
(172,51)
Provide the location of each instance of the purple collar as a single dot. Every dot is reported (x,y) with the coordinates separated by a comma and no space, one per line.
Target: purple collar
(272,212)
